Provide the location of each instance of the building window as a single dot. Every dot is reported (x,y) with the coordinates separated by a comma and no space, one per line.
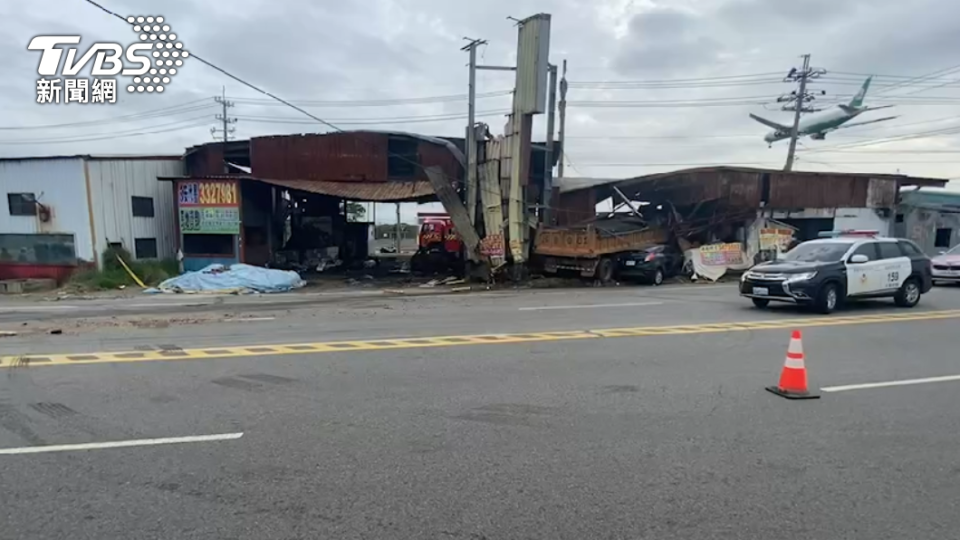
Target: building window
(209,244)
(146,248)
(899,218)
(22,204)
(943,238)
(142,206)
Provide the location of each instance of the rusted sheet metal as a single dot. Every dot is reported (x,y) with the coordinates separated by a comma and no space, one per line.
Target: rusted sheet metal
(205,160)
(825,191)
(433,155)
(330,156)
(445,191)
(588,242)
(882,193)
(350,157)
(360,191)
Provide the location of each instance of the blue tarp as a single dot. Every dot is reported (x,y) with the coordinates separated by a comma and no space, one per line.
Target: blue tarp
(238,278)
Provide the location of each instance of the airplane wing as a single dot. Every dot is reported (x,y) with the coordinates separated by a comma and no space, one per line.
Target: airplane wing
(865,123)
(770,123)
(878,108)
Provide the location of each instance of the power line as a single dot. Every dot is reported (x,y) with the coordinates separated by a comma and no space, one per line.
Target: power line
(374,121)
(196,122)
(190,106)
(377,102)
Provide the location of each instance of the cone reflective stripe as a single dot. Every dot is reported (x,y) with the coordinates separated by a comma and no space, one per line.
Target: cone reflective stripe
(793,378)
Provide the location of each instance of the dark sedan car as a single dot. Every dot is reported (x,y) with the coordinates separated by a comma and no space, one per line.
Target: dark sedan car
(652,265)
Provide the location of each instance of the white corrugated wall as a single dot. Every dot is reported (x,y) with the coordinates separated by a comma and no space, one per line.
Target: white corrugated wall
(57,183)
(113,184)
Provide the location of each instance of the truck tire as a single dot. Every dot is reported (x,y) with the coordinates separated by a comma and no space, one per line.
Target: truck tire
(605,271)
(909,294)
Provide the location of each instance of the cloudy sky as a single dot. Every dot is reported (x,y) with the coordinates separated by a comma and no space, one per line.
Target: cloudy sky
(653,85)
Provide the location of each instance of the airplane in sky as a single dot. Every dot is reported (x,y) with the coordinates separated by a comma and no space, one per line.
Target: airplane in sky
(818,124)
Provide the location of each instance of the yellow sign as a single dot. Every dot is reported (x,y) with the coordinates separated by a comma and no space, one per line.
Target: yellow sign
(721,254)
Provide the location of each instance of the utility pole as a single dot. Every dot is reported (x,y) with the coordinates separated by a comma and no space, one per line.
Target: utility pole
(798,103)
(398,232)
(222,117)
(561,134)
(472,182)
(547,214)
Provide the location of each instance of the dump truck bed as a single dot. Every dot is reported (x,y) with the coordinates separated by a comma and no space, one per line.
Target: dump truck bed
(596,240)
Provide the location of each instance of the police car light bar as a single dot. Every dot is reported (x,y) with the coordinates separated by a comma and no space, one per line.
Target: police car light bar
(848,232)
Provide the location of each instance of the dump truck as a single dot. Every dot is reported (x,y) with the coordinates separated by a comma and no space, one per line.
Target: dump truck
(592,249)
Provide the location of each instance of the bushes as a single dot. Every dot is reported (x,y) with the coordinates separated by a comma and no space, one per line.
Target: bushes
(113,275)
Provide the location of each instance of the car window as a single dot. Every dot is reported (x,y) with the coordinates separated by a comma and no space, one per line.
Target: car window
(910,249)
(870,250)
(889,250)
(817,252)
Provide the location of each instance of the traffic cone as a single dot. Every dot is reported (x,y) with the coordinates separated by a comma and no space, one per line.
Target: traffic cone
(793,378)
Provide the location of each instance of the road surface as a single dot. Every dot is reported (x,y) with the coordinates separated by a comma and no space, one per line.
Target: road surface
(606,413)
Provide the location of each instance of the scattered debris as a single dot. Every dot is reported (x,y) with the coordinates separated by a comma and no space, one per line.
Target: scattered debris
(5,333)
(56,331)
(237,278)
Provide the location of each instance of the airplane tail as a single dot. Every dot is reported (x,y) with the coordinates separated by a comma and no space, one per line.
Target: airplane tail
(857,100)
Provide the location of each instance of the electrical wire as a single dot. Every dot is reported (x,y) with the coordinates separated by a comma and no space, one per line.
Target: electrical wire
(374,121)
(202,123)
(190,106)
(376,102)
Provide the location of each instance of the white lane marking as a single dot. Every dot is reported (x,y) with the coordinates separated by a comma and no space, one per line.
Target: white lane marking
(252,319)
(904,382)
(119,444)
(589,306)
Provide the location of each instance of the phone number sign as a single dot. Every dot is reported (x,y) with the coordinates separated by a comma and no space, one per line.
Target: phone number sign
(209,207)
(223,193)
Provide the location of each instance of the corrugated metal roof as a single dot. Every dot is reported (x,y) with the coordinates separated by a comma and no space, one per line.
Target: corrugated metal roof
(360,191)
(354,191)
(627,183)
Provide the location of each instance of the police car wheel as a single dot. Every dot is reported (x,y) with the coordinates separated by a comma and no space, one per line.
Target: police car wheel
(658,277)
(909,294)
(761,302)
(828,299)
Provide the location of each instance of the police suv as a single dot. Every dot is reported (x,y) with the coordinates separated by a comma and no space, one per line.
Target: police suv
(847,265)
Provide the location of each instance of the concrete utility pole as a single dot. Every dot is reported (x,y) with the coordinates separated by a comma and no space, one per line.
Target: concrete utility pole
(222,117)
(547,202)
(561,134)
(799,102)
(398,232)
(471,139)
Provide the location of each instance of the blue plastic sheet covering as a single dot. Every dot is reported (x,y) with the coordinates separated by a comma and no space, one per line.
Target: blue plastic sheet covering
(236,279)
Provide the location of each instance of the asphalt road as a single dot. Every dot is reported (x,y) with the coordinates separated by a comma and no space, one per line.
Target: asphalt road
(650,436)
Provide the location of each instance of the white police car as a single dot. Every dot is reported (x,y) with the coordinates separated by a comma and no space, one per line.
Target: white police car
(847,265)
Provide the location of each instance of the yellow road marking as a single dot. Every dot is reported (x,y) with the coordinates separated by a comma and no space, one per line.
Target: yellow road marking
(454,341)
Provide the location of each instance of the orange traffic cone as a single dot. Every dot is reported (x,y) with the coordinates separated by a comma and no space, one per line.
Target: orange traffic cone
(793,378)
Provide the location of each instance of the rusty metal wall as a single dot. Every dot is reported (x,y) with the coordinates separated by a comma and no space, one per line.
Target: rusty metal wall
(820,191)
(205,160)
(341,157)
(576,207)
(434,155)
(533,51)
(332,156)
